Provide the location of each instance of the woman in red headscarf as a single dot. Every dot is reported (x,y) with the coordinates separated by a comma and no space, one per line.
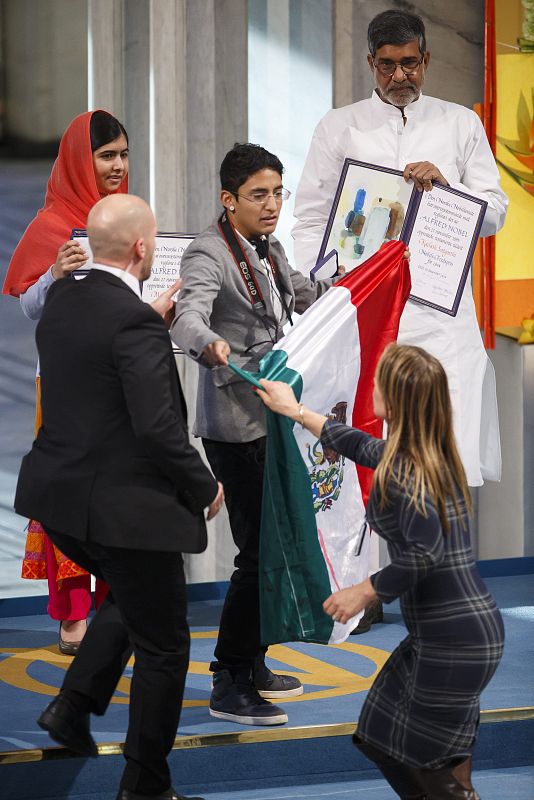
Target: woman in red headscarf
(92,162)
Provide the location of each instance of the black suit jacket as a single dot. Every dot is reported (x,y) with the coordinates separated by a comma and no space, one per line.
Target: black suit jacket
(112,461)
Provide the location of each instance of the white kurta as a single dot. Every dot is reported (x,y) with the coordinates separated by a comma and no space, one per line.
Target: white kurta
(451,137)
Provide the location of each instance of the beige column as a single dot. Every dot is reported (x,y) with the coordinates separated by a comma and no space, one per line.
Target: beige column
(168,110)
(105,47)
(215,118)
(175,73)
(351,78)
(216,92)
(45,60)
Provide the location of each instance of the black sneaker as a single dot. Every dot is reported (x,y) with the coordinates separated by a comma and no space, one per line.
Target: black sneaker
(373,613)
(235,698)
(271,686)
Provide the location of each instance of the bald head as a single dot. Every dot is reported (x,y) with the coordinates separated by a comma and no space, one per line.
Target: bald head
(121,229)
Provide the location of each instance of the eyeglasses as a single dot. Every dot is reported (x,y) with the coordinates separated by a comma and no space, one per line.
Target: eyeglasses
(260,198)
(407,65)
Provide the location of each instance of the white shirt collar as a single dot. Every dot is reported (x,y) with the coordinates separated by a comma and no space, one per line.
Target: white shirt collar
(387,109)
(127,277)
(245,239)
(263,261)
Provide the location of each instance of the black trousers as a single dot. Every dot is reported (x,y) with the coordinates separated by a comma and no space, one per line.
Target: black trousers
(239,467)
(145,610)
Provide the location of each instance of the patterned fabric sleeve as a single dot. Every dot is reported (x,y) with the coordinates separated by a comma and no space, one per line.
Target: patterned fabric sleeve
(419,551)
(360,447)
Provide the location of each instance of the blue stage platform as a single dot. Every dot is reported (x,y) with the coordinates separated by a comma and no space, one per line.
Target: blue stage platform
(312,756)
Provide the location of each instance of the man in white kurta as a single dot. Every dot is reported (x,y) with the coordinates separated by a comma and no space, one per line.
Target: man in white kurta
(428,139)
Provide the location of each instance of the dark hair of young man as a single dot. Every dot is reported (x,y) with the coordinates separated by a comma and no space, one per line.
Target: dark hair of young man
(397,28)
(104,128)
(244,160)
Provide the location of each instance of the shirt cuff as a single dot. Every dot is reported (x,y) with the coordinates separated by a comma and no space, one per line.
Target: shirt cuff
(375,582)
(47,279)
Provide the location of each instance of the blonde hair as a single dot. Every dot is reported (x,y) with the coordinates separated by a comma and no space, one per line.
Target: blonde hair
(420,455)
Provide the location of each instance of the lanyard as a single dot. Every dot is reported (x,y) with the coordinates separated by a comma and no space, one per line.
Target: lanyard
(247,271)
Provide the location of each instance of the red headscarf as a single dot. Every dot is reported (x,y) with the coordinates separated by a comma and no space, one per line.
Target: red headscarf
(70,195)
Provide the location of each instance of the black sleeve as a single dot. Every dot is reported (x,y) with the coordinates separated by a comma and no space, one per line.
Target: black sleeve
(141,351)
(420,551)
(360,447)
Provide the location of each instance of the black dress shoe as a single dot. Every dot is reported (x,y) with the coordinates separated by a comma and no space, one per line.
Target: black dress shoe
(68,726)
(170,794)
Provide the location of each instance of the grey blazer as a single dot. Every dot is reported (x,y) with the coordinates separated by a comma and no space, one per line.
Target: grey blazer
(214,304)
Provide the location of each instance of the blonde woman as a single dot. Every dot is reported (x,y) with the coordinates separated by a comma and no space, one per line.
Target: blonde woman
(419,721)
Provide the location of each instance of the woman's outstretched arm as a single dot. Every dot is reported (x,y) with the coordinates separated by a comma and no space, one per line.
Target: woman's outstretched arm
(279,397)
(360,447)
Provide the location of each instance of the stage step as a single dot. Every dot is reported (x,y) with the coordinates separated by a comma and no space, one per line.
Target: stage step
(515,783)
(251,764)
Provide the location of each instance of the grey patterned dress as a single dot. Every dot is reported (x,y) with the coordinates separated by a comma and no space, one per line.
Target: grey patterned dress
(423,708)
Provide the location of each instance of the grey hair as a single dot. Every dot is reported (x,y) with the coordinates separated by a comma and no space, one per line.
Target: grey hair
(395,27)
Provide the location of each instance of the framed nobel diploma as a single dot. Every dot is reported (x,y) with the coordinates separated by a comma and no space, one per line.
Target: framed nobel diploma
(170,248)
(374,204)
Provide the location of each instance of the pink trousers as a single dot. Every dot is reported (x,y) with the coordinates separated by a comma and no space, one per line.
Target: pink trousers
(72,599)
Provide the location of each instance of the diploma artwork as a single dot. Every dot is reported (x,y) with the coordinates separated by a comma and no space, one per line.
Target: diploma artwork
(374,204)
(170,248)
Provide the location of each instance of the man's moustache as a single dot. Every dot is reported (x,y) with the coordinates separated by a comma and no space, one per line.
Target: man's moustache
(403,90)
(402,87)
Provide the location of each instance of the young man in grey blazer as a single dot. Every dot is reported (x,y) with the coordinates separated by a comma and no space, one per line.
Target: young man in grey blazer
(238,292)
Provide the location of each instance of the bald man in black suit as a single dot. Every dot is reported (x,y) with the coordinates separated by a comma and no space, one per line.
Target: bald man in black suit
(120,490)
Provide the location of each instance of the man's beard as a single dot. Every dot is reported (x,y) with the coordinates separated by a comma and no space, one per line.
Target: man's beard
(400,96)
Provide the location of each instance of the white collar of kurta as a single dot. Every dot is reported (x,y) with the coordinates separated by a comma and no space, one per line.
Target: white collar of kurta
(128,279)
(387,110)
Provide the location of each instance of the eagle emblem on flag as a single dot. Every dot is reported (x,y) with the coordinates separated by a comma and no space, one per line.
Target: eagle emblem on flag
(327,466)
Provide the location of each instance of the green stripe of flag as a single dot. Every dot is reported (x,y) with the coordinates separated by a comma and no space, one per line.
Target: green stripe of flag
(293,576)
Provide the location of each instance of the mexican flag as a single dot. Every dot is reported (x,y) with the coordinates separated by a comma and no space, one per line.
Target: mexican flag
(313,506)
